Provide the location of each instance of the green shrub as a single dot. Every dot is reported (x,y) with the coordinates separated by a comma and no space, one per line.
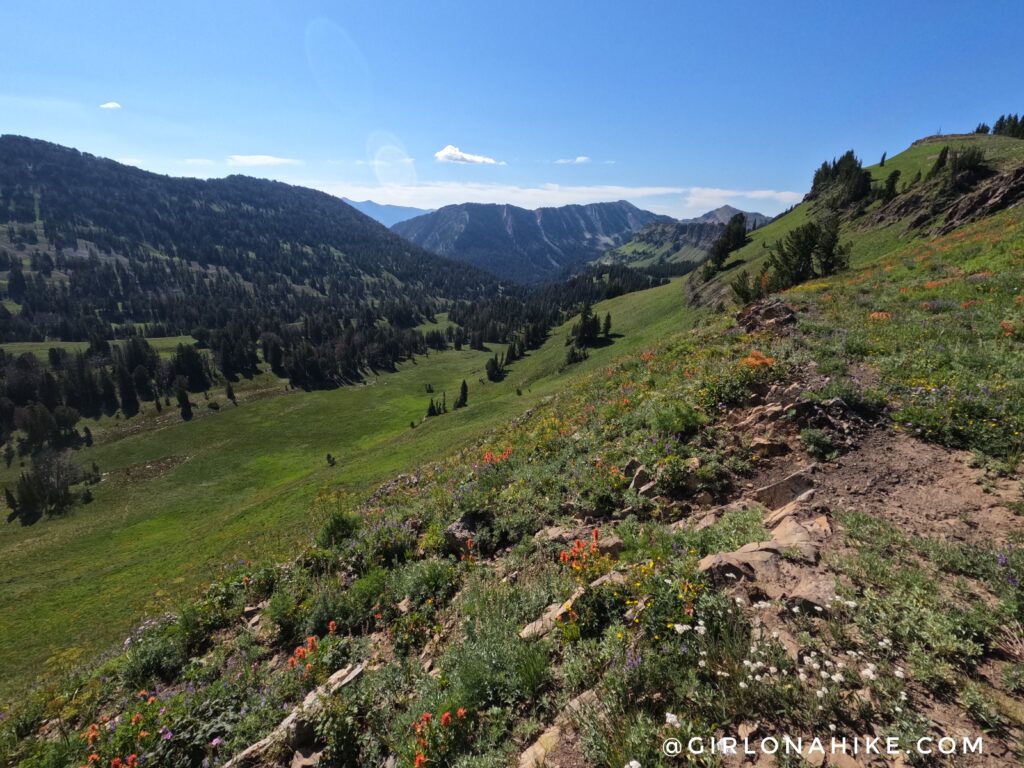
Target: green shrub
(340,525)
(679,419)
(818,444)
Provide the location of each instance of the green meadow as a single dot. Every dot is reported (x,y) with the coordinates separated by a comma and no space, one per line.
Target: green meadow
(180,502)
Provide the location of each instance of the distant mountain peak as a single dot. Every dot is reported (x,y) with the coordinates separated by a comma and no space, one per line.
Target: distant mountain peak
(723,213)
(526,245)
(386,214)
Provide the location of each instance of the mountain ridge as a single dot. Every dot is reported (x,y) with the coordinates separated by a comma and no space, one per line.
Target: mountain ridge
(385,213)
(525,245)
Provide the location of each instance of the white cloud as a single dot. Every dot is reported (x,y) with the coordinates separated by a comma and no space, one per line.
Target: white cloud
(581,160)
(452,154)
(380,163)
(110,105)
(250,161)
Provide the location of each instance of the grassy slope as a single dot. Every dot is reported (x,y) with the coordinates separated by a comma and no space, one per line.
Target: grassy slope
(165,345)
(867,244)
(245,482)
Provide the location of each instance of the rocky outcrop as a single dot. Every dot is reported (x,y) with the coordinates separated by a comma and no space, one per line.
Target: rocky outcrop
(991,196)
(765,315)
(294,735)
(536,756)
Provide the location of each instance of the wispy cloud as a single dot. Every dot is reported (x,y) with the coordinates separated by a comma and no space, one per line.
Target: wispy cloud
(452,154)
(110,105)
(581,160)
(250,161)
(380,163)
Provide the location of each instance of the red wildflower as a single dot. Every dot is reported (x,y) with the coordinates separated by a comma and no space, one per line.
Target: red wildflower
(460,713)
(117,762)
(446,719)
(332,627)
(421,760)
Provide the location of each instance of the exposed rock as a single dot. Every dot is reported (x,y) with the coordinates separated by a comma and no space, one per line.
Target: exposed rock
(610,545)
(295,732)
(614,578)
(766,447)
(793,537)
(536,755)
(306,757)
(641,477)
(815,590)
(786,489)
(761,414)
(795,507)
(762,315)
(458,535)
(649,490)
(749,562)
(779,395)
(551,616)
(995,194)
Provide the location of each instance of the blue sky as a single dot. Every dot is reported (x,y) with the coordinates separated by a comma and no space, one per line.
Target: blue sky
(677,106)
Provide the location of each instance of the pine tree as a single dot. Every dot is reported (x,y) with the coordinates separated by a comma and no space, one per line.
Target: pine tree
(606,329)
(463,399)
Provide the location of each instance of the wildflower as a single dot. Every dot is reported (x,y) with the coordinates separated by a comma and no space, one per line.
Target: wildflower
(136,718)
(143,734)
(421,760)
(117,762)
(216,741)
(758,359)
(672,720)
(332,627)
(460,713)
(446,719)
(880,317)
(311,642)
(633,764)
(133,760)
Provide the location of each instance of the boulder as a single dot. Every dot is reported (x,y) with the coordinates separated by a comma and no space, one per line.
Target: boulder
(766,447)
(814,590)
(295,732)
(641,477)
(765,314)
(788,488)
(552,615)
(458,535)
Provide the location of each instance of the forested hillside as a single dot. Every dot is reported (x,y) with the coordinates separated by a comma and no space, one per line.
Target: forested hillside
(522,245)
